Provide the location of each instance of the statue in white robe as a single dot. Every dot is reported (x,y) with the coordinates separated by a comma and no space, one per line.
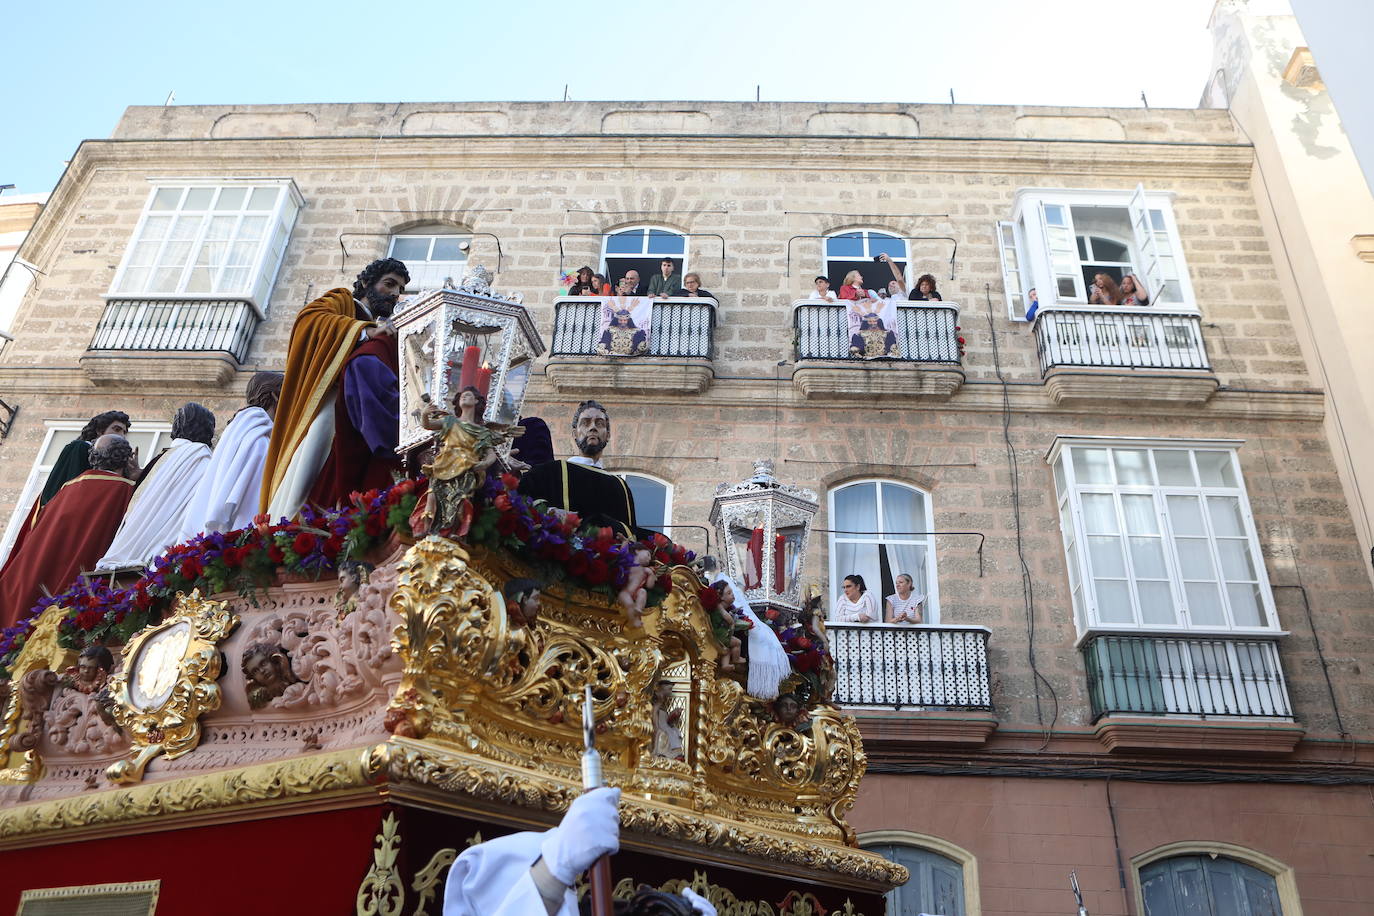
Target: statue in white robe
(152,522)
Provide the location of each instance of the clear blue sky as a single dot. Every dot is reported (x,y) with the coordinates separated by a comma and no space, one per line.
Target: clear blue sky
(72,68)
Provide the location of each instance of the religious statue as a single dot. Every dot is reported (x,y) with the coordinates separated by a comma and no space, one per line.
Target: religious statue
(353,575)
(635,591)
(788,710)
(91,671)
(267,670)
(873,340)
(580,484)
(466,450)
(726,624)
(667,722)
(522,602)
(622,338)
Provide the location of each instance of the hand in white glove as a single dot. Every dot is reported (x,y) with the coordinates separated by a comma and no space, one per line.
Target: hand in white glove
(702,905)
(589,830)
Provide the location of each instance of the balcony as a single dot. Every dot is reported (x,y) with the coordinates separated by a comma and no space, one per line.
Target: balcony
(1189,693)
(679,357)
(173,341)
(926,339)
(1123,353)
(923,684)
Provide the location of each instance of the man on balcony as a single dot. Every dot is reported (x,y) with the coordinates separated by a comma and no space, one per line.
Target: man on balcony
(72,531)
(665,283)
(337,420)
(579,484)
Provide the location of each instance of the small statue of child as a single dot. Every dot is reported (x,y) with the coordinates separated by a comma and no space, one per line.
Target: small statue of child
(636,590)
(725,622)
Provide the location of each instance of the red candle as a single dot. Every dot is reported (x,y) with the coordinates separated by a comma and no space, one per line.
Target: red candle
(483,380)
(779,563)
(469,372)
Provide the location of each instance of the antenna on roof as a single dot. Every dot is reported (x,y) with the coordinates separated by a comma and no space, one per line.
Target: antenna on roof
(1144,101)
(565,92)
(171,97)
(757,90)
(951,96)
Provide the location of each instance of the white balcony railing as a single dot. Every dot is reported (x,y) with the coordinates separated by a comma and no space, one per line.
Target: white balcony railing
(1130,337)
(925,331)
(897,665)
(679,327)
(1191,676)
(178,325)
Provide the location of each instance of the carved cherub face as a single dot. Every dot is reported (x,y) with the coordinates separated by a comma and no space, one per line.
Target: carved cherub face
(88,670)
(643,557)
(529,607)
(265,671)
(787,708)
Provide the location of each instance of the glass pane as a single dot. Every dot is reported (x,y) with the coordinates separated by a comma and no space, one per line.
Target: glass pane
(198,199)
(143,254)
(1083,249)
(651,501)
(166,198)
(1132,466)
(1204,604)
(856,510)
(446,249)
(1226,517)
(410,248)
(661,242)
(221,227)
(1157,220)
(252,228)
(1194,558)
(1215,468)
(231,198)
(1059,482)
(1147,555)
(849,245)
(1235,560)
(1175,468)
(894,248)
(133,280)
(1090,465)
(1107,250)
(1139,511)
(1054,215)
(631,242)
(186,227)
(1185,516)
(1114,601)
(1104,553)
(263,198)
(1066,288)
(1245,605)
(1099,513)
(201,280)
(904,510)
(1156,603)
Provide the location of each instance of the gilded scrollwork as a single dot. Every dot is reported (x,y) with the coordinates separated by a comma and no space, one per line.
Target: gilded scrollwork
(381,892)
(727,903)
(25,700)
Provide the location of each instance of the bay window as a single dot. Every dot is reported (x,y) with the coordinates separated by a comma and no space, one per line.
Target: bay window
(1158,536)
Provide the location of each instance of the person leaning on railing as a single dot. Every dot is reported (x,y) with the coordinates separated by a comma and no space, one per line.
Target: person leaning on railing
(855,604)
(904,605)
(691,287)
(1133,291)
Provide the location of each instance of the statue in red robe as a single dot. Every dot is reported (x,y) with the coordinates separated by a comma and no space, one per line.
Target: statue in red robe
(72,531)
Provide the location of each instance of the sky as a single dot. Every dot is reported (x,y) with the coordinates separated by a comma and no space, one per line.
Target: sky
(72,68)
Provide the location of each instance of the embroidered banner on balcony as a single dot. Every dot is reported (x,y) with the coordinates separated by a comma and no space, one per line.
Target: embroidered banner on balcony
(626,322)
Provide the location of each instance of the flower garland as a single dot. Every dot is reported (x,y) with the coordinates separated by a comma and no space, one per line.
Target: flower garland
(245,560)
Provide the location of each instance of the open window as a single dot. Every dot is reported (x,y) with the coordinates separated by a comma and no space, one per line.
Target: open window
(436,256)
(642,248)
(855,250)
(883,530)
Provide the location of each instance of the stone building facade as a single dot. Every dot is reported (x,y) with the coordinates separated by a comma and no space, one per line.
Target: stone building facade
(1118,714)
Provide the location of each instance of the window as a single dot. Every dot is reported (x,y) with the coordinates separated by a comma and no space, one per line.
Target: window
(936,884)
(882,531)
(1208,885)
(1057,240)
(642,248)
(1158,536)
(209,241)
(855,250)
(653,502)
(436,256)
(148,438)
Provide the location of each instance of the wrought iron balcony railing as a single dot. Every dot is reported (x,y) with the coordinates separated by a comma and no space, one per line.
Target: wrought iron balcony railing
(1127,337)
(1185,675)
(679,326)
(898,665)
(179,325)
(925,331)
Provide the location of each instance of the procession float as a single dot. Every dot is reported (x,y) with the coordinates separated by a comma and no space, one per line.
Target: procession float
(318,716)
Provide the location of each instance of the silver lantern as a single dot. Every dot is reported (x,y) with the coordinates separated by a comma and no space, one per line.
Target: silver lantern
(764,527)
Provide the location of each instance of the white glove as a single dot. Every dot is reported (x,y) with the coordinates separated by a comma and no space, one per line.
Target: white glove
(702,905)
(590,830)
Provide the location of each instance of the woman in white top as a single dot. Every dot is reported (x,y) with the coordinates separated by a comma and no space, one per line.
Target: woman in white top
(905,605)
(856,605)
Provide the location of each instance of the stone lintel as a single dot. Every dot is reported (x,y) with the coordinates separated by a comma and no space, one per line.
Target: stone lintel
(1144,734)
(844,380)
(1181,386)
(893,730)
(208,369)
(686,375)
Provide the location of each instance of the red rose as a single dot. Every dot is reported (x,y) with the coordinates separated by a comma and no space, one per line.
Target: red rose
(142,599)
(88,619)
(664,583)
(191,568)
(660,539)
(304,543)
(274,553)
(333,546)
(709,598)
(233,556)
(662,557)
(502,502)
(571,522)
(562,552)
(374,525)
(577,564)
(506,524)
(598,571)
(510,481)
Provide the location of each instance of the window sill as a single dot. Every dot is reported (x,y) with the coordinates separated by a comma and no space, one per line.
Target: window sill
(1137,734)
(847,379)
(630,374)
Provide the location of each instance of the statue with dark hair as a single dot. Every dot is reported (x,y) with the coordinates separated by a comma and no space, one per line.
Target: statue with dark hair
(337,421)
(91,671)
(266,672)
(75,456)
(112,452)
(194,424)
(579,484)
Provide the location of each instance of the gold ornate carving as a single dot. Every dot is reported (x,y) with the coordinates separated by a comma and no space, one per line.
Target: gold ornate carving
(426,880)
(381,893)
(796,903)
(21,721)
(167,682)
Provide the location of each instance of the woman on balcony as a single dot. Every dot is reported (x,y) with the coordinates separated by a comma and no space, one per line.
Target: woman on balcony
(691,287)
(904,606)
(1104,291)
(856,605)
(925,290)
(1133,291)
(853,288)
(585,284)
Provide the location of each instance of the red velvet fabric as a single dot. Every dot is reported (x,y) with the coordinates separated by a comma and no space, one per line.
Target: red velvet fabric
(72,532)
(351,466)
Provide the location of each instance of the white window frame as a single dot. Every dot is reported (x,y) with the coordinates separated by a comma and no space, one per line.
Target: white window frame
(1078,559)
(667,496)
(454,269)
(1035,244)
(931,610)
(266,265)
(865,234)
(647,229)
(38,473)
